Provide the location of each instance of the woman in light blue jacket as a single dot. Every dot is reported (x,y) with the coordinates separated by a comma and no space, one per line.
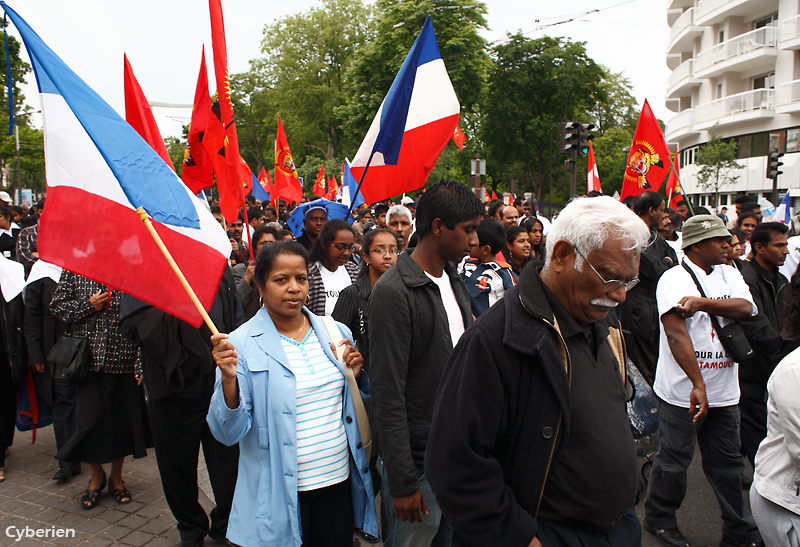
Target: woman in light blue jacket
(281,394)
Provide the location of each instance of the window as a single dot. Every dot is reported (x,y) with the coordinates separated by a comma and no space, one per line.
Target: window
(793,140)
(723,199)
(777,140)
(719,91)
(769,21)
(745,148)
(766,81)
(721,37)
(760,145)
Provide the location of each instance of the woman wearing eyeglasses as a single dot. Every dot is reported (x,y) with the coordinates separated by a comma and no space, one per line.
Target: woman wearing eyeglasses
(330,269)
(380,250)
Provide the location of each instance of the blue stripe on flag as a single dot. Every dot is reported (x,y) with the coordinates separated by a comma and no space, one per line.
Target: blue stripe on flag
(258,191)
(144,177)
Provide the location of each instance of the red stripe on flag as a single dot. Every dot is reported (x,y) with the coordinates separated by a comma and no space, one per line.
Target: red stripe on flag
(108,242)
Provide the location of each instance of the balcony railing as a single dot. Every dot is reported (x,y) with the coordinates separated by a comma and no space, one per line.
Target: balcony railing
(789,92)
(704,7)
(684,70)
(757,99)
(684,21)
(744,43)
(680,121)
(790,28)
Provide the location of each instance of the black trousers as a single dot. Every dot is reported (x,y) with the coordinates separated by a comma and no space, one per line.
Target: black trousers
(326,516)
(718,439)
(8,408)
(626,533)
(63,415)
(179,427)
(753,409)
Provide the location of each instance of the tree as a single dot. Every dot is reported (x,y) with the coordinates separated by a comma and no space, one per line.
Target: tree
(397,24)
(717,160)
(610,157)
(618,107)
(534,86)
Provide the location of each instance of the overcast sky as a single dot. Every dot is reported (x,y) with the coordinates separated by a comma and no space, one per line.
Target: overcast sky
(163,39)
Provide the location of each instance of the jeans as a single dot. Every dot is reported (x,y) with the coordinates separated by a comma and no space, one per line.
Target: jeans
(718,438)
(433,531)
(778,526)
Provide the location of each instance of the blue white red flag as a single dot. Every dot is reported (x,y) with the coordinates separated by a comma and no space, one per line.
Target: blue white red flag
(414,123)
(258,191)
(99,171)
(783,212)
(349,187)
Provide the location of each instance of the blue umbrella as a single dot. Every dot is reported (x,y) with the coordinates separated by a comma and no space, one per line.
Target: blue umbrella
(334,210)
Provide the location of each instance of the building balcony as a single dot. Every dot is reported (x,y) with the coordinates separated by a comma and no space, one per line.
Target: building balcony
(683,33)
(712,12)
(673,15)
(680,126)
(679,4)
(754,49)
(682,80)
(789,37)
(758,103)
(788,97)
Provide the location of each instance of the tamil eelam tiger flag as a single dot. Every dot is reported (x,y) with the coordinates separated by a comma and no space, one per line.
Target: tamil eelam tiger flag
(234,179)
(592,176)
(648,160)
(333,188)
(139,114)
(99,171)
(414,123)
(674,190)
(459,137)
(287,184)
(197,172)
(319,184)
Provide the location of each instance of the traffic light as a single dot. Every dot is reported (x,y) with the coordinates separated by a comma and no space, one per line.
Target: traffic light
(570,137)
(774,165)
(584,136)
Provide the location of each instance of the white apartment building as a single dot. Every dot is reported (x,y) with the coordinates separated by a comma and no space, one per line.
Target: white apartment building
(735,70)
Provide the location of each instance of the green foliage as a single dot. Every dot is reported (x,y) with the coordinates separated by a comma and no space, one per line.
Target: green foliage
(534,86)
(717,160)
(618,107)
(176,149)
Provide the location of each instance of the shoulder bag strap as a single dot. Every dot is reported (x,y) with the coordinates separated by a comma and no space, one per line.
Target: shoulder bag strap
(358,404)
(713,318)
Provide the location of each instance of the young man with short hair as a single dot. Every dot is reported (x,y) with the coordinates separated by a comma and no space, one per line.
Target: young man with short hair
(486,280)
(418,310)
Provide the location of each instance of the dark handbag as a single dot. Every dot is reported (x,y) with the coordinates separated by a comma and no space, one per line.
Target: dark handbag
(70,357)
(731,336)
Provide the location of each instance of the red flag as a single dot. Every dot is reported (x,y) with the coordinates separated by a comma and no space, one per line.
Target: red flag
(197,172)
(234,181)
(266,183)
(319,185)
(494,195)
(333,188)
(286,182)
(592,178)
(648,161)
(459,138)
(674,190)
(140,116)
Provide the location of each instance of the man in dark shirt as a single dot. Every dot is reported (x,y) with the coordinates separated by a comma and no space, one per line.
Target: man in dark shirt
(316,217)
(530,443)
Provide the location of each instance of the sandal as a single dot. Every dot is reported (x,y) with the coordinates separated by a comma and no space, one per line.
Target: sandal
(120,495)
(2,475)
(90,498)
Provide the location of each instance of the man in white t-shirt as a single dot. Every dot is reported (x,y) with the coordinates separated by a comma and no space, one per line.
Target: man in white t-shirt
(418,311)
(697,385)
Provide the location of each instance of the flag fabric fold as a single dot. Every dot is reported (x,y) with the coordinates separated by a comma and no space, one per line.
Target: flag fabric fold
(459,138)
(648,160)
(319,184)
(258,191)
(333,187)
(783,212)
(99,170)
(287,185)
(592,177)
(139,114)
(197,172)
(414,123)
(348,188)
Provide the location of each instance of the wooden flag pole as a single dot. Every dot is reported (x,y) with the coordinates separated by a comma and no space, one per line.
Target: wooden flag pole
(188,288)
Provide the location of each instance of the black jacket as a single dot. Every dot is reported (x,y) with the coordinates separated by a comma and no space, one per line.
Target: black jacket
(176,357)
(771,292)
(352,309)
(409,329)
(502,417)
(42,330)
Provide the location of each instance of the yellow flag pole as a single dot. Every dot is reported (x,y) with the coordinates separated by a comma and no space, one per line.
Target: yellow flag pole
(188,288)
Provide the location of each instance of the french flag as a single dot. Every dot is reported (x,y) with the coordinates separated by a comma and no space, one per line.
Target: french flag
(414,123)
(99,171)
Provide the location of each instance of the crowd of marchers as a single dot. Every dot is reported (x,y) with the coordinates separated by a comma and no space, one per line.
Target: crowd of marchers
(470,365)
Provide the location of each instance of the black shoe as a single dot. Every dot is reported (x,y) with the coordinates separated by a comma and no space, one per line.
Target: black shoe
(670,537)
(219,538)
(191,543)
(728,543)
(65,473)
(369,538)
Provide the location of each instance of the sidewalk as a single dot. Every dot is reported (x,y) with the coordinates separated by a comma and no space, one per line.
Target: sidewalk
(29,498)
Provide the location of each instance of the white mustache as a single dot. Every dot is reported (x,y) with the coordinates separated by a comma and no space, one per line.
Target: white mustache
(604,301)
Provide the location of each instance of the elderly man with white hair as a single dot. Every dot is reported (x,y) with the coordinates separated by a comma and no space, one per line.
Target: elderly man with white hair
(530,443)
(399,221)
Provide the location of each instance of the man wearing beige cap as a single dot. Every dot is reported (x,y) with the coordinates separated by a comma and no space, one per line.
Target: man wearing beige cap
(697,385)
(5,198)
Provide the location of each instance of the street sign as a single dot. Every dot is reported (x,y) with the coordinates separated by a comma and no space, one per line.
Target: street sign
(477,167)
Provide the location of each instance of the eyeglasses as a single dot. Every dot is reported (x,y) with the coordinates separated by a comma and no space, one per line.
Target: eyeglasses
(384,251)
(611,285)
(342,247)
